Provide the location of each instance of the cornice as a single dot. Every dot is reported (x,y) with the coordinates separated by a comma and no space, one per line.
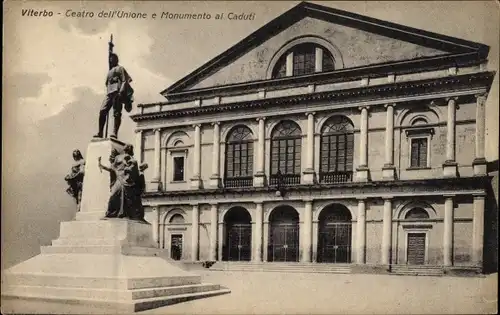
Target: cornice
(391,90)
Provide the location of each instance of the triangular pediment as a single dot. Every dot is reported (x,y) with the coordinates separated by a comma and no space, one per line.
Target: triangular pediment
(354,41)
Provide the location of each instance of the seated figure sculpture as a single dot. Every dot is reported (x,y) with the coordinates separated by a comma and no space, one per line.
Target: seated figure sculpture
(127,186)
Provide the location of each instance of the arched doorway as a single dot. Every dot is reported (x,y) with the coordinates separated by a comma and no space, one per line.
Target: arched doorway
(176,238)
(283,235)
(334,239)
(238,245)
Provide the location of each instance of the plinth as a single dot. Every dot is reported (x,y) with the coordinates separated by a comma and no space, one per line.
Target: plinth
(111,263)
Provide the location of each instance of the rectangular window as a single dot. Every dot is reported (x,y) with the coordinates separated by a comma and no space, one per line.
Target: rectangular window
(418,152)
(178,169)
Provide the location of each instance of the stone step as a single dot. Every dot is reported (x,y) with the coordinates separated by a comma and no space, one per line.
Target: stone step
(281,267)
(72,281)
(417,270)
(107,294)
(119,305)
(291,271)
(416,266)
(103,249)
(278,268)
(417,274)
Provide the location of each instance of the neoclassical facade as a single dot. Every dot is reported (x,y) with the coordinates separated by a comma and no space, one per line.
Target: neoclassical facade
(325,137)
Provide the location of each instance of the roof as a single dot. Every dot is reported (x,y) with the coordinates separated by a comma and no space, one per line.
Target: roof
(305,9)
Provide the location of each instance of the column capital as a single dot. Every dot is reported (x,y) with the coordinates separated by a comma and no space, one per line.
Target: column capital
(157,130)
(447,196)
(260,118)
(364,107)
(310,113)
(390,105)
(451,98)
(138,130)
(481,97)
(196,125)
(259,202)
(215,123)
(308,200)
(194,205)
(479,195)
(214,204)
(361,199)
(387,198)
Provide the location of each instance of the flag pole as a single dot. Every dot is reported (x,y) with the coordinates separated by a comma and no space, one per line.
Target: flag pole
(110,51)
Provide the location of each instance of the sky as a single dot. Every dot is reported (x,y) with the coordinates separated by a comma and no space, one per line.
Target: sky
(54,71)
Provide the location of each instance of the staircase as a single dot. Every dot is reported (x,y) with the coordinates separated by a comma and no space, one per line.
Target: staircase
(295,267)
(417,270)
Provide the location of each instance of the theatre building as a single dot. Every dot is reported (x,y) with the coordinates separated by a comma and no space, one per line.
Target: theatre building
(324,137)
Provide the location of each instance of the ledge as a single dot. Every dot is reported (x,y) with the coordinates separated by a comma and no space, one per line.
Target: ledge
(418,168)
(431,184)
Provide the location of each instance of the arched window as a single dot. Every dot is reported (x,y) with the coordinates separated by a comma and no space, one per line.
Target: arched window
(337,150)
(239,158)
(417,213)
(304,61)
(285,153)
(177,219)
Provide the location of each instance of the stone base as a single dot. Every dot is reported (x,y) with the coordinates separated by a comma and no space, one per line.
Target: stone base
(110,263)
(309,177)
(96,183)
(480,167)
(215,182)
(450,169)
(388,172)
(362,174)
(259,180)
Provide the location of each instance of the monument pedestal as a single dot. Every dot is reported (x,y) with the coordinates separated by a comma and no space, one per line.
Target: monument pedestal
(110,263)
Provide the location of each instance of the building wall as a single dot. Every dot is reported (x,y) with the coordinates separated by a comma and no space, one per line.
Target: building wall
(462,226)
(465,140)
(350,48)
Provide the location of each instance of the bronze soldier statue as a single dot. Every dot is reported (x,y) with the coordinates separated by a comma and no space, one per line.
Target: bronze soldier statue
(119,93)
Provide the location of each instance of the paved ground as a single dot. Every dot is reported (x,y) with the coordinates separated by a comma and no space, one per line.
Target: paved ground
(288,293)
(293,293)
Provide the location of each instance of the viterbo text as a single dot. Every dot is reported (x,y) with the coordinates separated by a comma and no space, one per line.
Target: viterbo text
(41,13)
